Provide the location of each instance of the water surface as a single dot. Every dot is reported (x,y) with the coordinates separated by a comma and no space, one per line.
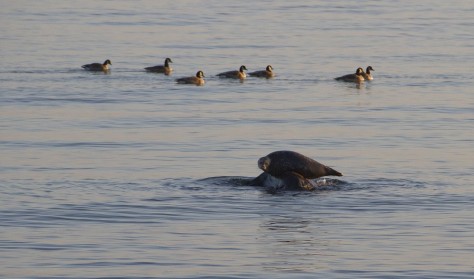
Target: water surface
(130,175)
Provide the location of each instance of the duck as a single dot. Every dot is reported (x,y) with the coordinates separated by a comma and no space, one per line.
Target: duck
(358,77)
(240,74)
(267,73)
(96,67)
(165,69)
(197,80)
(367,74)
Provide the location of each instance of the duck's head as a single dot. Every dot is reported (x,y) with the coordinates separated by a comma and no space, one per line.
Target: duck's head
(369,68)
(269,68)
(200,74)
(359,71)
(107,62)
(168,60)
(242,68)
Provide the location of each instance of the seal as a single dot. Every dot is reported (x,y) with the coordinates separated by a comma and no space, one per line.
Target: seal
(279,163)
(290,170)
(288,181)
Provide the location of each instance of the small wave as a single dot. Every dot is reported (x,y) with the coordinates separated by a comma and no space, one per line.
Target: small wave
(322,184)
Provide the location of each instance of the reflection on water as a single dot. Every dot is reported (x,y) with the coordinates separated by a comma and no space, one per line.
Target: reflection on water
(293,244)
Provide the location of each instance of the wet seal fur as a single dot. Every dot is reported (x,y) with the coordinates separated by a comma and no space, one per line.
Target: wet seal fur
(290,170)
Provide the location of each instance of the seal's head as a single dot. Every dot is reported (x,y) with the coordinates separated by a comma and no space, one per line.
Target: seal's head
(264,163)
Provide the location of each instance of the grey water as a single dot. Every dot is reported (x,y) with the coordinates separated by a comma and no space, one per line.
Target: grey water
(130,175)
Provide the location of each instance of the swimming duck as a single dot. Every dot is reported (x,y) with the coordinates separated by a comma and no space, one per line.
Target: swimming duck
(240,74)
(96,67)
(367,74)
(197,80)
(165,69)
(357,77)
(267,73)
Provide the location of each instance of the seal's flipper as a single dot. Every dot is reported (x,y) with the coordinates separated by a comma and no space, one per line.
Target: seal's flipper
(295,181)
(259,180)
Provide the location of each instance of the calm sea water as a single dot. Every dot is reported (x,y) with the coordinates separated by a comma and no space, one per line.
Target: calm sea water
(129,175)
